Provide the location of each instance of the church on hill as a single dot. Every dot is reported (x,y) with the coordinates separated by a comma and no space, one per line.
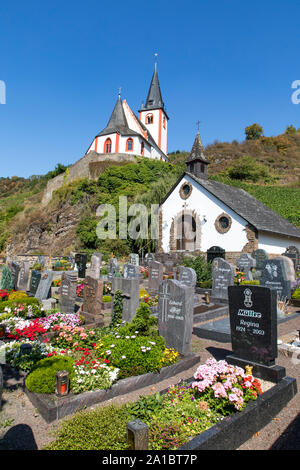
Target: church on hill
(145,136)
(199,213)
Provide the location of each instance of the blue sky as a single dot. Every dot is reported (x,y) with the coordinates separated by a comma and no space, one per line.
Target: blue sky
(226,63)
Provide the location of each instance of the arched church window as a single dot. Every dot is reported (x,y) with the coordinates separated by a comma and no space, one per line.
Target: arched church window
(149,119)
(107,146)
(129,145)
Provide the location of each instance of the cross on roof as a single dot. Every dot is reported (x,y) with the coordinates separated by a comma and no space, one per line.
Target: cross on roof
(198,125)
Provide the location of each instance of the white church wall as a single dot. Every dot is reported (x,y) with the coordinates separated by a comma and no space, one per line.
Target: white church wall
(207,207)
(276,244)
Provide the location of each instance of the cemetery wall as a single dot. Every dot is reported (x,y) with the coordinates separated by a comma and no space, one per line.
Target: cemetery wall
(85,168)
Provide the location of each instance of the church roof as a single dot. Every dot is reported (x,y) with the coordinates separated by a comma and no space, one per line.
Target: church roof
(154,97)
(246,206)
(197,151)
(117,122)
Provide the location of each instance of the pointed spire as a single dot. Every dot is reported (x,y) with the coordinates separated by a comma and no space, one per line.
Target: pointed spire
(154,98)
(117,121)
(196,162)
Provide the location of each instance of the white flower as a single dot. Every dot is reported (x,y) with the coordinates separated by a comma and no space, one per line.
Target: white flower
(112,345)
(152,342)
(127,337)
(123,357)
(133,336)
(108,352)
(118,336)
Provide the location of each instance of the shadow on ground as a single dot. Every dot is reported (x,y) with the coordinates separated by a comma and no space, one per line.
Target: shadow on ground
(19,437)
(290,438)
(218,353)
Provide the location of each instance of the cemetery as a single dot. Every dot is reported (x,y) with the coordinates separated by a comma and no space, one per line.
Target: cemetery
(97,330)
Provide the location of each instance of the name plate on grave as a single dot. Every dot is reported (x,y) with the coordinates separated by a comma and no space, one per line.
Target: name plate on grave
(253,323)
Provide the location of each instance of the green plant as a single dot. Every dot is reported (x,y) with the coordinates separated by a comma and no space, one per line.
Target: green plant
(253,132)
(145,406)
(106,298)
(42,379)
(296,294)
(200,266)
(117,309)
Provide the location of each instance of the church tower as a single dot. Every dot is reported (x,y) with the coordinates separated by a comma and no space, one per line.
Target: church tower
(196,162)
(153,114)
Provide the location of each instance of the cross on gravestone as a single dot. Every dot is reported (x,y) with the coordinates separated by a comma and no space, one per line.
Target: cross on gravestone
(253,323)
(80,260)
(23,276)
(134,259)
(155,276)
(275,275)
(34,281)
(215,252)
(130,293)
(96,263)
(92,300)
(131,271)
(245,263)
(175,314)
(222,277)
(44,286)
(68,291)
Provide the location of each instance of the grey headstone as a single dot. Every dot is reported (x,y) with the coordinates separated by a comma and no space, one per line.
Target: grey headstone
(148,258)
(260,257)
(175,314)
(275,276)
(131,271)
(113,267)
(293,253)
(155,276)
(245,263)
(215,252)
(23,276)
(96,264)
(134,259)
(130,293)
(186,276)
(222,277)
(92,300)
(44,286)
(14,269)
(68,291)
(34,281)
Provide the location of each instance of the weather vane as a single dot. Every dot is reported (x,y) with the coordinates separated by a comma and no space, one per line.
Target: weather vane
(155,55)
(120,89)
(198,125)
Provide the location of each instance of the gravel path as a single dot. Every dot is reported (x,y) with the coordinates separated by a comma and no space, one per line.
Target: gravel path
(21,426)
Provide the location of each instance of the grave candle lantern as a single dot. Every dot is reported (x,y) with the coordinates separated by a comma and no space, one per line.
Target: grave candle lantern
(207,298)
(62,383)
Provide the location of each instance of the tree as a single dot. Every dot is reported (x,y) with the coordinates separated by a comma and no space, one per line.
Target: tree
(253,132)
(291,130)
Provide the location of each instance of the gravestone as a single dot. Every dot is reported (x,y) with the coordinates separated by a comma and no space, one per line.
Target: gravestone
(155,276)
(175,314)
(113,267)
(72,259)
(186,276)
(44,286)
(130,294)
(215,252)
(131,271)
(14,269)
(260,257)
(253,323)
(80,260)
(96,263)
(134,259)
(275,275)
(23,276)
(222,277)
(245,263)
(292,252)
(148,258)
(68,291)
(92,301)
(41,260)
(34,281)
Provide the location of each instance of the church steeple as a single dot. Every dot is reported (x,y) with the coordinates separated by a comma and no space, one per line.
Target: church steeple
(154,98)
(196,162)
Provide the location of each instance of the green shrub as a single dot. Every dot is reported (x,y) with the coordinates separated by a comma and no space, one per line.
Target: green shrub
(246,168)
(296,294)
(43,377)
(142,322)
(6,279)
(254,282)
(117,309)
(106,298)
(200,266)
(101,429)
(13,304)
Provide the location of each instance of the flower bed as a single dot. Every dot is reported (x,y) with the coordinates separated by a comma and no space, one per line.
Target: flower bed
(189,416)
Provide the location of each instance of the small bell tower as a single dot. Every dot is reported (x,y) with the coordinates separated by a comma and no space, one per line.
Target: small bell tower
(196,162)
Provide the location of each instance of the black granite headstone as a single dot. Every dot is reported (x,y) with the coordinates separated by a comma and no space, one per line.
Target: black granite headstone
(68,291)
(274,275)
(253,323)
(215,252)
(80,260)
(34,281)
(15,269)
